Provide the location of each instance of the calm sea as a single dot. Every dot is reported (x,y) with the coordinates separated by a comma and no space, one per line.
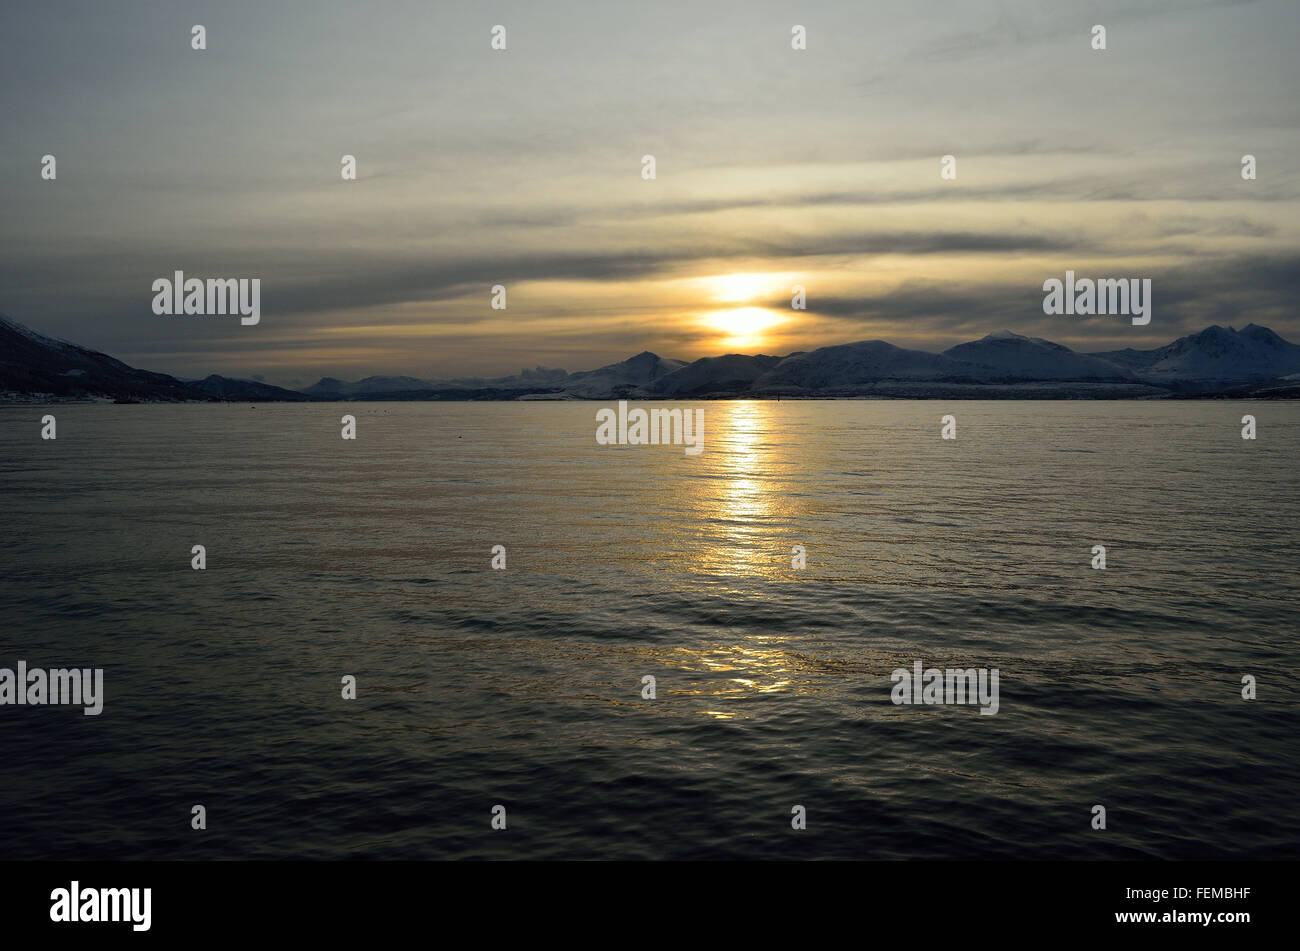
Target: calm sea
(523,687)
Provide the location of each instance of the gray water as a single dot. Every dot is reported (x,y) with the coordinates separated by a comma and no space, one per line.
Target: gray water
(522,687)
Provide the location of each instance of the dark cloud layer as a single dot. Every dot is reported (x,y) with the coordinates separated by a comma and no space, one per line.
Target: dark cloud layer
(523,167)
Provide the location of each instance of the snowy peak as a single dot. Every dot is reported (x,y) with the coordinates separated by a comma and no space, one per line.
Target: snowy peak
(33,364)
(225,388)
(1263,336)
(330,388)
(14,327)
(1216,360)
(1009,357)
(1216,355)
(733,373)
(854,364)
(622,378)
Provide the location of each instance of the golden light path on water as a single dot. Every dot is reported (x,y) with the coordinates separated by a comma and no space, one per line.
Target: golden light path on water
(740,497)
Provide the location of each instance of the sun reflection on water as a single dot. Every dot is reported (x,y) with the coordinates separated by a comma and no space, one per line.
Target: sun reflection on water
(738,499)
(756,671)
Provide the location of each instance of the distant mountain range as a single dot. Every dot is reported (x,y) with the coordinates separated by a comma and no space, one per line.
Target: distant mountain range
(1223,362)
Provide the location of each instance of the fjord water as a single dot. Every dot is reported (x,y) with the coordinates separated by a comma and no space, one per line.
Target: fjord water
(522,687)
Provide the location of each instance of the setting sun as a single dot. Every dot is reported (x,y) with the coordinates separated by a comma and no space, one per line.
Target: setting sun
(745,325)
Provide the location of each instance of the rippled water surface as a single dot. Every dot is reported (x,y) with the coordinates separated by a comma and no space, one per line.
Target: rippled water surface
(523,687)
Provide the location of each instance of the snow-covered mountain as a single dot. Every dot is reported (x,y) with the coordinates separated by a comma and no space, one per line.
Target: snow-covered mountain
(733,373)
(33,365)
(854,364)
(1214,357)
(1007,357)
(1251,362)
(633,374)
(1001,357)
(245,391)
(332,389)
(629,376)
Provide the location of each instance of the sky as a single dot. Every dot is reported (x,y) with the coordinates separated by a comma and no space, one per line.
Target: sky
(774,167)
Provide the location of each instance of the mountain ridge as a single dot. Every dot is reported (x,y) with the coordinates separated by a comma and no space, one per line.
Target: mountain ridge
(1254,361)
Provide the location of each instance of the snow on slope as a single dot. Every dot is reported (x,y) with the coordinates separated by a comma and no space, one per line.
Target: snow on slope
(1006,356)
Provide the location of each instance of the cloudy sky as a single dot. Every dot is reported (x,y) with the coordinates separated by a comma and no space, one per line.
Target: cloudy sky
(523,167)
